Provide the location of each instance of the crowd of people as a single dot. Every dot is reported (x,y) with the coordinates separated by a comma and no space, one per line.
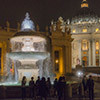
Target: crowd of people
(42,88)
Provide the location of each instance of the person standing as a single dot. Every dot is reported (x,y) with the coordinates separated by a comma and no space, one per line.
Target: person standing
(55,87)
(84,83)
(60,88)
(48,83)
(64,87)
(90,86)
(23,83)
(31,85)
(38,87)
(43,89)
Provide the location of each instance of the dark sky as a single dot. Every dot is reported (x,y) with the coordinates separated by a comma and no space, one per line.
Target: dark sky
(41,11)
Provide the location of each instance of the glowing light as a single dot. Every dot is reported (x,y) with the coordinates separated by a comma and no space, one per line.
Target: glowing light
(79,74)
(84,30)
(97,45)
(84,4)
(11,70)
(57,61)
(74,30)
(97,29)
(27,24)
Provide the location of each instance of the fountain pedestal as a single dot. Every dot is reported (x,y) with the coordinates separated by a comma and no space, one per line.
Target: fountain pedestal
(28,73)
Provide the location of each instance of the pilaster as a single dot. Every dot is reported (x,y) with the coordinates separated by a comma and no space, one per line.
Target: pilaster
(90,52)
(68,59)
(80,50)
(94,55)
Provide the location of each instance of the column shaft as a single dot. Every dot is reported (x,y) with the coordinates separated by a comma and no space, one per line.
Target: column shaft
(80,57)
(89,53)
(93,53)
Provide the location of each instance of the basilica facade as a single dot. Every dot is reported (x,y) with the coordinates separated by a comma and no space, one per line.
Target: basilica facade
(85,30)
(73,42)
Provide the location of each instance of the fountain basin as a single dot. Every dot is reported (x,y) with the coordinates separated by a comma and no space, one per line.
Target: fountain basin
(28,55)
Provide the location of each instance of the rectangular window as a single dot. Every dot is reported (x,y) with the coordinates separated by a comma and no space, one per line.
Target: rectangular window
(0,56)
(56,54)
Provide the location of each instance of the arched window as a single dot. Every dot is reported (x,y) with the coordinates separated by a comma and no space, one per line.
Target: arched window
(84,45)
(97,45)
(84,61)
(84,30)
(56,54)
(74,30)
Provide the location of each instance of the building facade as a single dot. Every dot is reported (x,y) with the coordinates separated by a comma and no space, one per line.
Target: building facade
(68,50)
(85,29)
(60,46)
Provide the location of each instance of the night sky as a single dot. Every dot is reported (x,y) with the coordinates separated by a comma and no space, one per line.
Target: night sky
(41,11)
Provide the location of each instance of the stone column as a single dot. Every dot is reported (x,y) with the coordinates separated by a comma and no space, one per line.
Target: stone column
(80,50)
(93,53)
(90,53)
(67,59)
(99,53)
(53,58)
(70,58)
(64,59)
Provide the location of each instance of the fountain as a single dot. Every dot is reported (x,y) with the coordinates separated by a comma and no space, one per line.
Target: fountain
(30,54)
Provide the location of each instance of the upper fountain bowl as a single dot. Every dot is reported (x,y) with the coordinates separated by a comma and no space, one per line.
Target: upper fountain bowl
(27,39)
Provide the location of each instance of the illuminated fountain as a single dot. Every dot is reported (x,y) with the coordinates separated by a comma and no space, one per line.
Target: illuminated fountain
(30,54)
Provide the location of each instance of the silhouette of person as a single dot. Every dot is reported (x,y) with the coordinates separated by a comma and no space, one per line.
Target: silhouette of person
(80,90)
(23,83)
(63,86)
(60,88)
(48,83)
(55,87)
(43,89)
(31,85)
(84,83)
(90,86)
(38,87)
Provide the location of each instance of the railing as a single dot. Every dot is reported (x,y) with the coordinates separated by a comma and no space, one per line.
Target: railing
(16,92)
